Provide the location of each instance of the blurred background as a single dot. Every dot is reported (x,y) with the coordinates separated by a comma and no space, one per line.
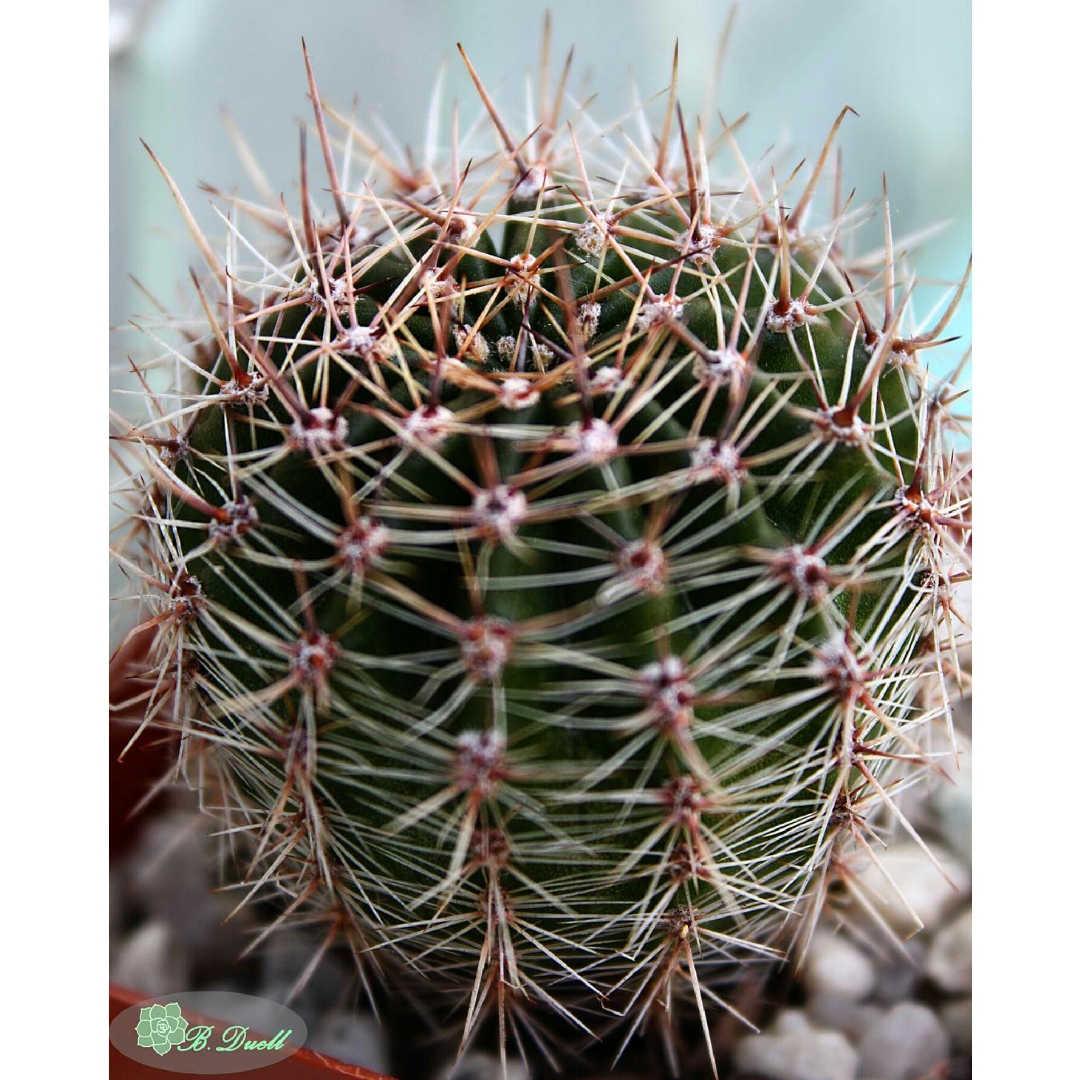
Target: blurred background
(905,65)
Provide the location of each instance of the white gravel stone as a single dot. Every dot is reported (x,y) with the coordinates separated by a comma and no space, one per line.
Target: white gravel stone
(948,962)
(285,959)
(838,967)
(799,1055)
(951,804)
(896,976)
(354,1038)
(922,884)
(905,1044)
(842,1014)
(302,1004)
(483,1067)
(790,1022)
(171,864)
(170,875)
(151,961)
(251,1009)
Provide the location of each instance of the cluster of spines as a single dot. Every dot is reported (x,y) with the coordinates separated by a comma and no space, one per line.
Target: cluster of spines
(470,907)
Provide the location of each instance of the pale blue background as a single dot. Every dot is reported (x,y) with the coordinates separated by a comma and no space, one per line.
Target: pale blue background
(904,65)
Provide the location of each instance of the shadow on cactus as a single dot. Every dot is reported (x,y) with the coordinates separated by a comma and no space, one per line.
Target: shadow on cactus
(549,549)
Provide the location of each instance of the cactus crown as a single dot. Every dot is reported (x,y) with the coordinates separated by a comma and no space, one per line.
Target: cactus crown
(549,548)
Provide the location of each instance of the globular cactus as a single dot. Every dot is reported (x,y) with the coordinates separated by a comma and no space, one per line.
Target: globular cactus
(550,552)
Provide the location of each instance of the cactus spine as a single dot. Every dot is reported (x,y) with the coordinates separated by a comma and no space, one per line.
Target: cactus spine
(550,555)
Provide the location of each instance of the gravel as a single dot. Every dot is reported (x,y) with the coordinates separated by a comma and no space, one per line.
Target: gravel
(797,1051)
(152,961)
(929,892)
(906,1043)
(899,972)
(354,1038)
(836,966)
(842,1014)
(949,961)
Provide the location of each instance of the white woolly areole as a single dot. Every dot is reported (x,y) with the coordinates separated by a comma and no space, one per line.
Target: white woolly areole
(854,433)
(643,565)
(592,236)
(596,441)
(482,745)
(667,686)
(481,761)
(452,363)
(515,393)
(242,518)
(794,315)
(701,247)
(506,347)
(897,357)
(175,449)
(478,350)
(313,656)
(531,184)
(486,644)
(461,224)
(606,380)
(542,355)
(920,511)
(720,367)
(660,312)
(339,295)
(837,665)
(358,341)
(320,431)
(432,282)
(664,672)
(254,393)
(363,542)
(588,318)
(807,573)
(499,510)
(187,597)
(427,425)
(522,276)
(718,459)
(359,238)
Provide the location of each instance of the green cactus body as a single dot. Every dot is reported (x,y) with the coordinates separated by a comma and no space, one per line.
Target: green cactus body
(554,599)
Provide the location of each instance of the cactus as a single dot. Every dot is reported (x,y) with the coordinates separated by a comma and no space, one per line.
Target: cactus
(549,551)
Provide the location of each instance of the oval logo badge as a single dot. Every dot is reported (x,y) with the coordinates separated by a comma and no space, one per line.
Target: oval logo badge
(207,1032)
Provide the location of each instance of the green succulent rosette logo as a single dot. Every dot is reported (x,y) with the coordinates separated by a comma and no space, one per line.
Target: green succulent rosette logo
(161,1027)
